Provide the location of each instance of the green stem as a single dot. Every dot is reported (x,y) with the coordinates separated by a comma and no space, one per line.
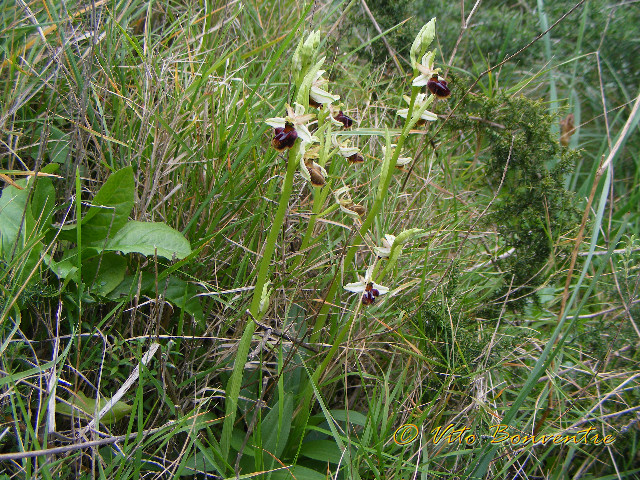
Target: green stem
(377,205)
(301,420)
(319,194)
(235,382)
(292,165)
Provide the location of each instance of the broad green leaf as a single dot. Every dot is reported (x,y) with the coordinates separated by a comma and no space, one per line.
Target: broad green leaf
(112,270)
(178,292)
(44,199)
(198,462)
(354,418)
(20,240)
(182,295)
(149,238)
(64,269)
(12,207)
(237,440)
(110,209)
(86,408)
(57,144)
(299,473)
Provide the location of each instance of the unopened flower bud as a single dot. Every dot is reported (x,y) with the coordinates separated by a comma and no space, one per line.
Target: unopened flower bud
(422,41)
(305,54)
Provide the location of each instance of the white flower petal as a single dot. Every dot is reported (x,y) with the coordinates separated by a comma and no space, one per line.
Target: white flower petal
(343,148)
(304,171)
(349,212)
(368,274)
(322,96)
(402,161)
(382,290)
(429,116)
(349,151)
(403,113)
(276,122)
(382,252)
(299,109)
(341,193)
(336,122)
(357,287)
(304,134)
(421,80)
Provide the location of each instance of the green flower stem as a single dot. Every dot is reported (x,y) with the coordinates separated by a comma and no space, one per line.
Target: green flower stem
(301,420)
(377,205)
(292,165)
(319,194)
(235,382)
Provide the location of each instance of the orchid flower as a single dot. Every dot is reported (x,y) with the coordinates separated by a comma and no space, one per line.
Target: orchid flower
(425,67)
(318,96)
(312,172)
(385,250)
(367,287)
(352,154)
(344,120)
(402,161)
(346,204)
(291,127)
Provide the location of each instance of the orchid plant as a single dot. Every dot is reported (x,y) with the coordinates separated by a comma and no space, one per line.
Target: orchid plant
(315,108)
(312,133)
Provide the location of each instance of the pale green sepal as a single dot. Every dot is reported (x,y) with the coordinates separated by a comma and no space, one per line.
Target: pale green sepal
(305,87)
(264,298)
(396,248)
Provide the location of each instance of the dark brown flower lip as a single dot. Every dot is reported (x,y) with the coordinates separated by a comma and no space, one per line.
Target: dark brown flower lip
(438,87)
(284,137)
(317,179)
(314,104)
(370,294)
(355,158)
(346,121)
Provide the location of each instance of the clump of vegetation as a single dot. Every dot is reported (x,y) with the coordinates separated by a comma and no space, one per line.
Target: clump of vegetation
(533,208)
(526,169)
